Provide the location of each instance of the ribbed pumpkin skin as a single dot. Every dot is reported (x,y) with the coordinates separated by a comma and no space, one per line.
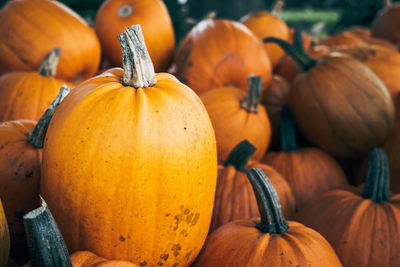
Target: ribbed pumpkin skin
(232,124)
(309,171)
(343,39)
(39,26)
(386,25)
(352,111)
(4,238)
(362,232)
(234,196)
(153,17)
(300,245)
(27,95)
(19,179)
(88,259)
(130,174)
(233,53)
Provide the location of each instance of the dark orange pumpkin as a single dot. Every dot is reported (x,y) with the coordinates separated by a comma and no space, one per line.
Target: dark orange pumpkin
(233,52)
(387,24)
(4,238)
(309,171)
(269,241)
(236,116)
(234,197)
(89,259)
(343,39)
(152,15)
(360,31)
(362,227)
(29,29)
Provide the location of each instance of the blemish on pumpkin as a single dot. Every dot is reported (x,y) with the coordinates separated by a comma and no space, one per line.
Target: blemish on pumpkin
(164,256)
(184,232)
(176,248)
(121,238)
(167,214)
(195,219)
(187,211)
(160,263)
(189,218)
(143,263)
(188,255)
(29,174)
(175,264)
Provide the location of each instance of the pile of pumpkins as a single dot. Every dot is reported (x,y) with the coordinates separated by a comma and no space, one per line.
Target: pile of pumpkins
(238,148)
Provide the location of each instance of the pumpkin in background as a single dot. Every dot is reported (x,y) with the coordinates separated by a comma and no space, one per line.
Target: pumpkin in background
(234,197)
(343,39)
(387,24)
(352,111)
(27,95)
(88,259)
(309,171)
(236,116)
(233,52)
(360,31)
(269,241)
(20,159)
(114,16)
(4,238)
(130,164)
(362,227)
(41,25)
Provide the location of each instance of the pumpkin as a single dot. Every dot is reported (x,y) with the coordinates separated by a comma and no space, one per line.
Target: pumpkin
(20,159)
(115,15)
(233,52)
(343,39)
(362,227)
(27,95)
(269,241)
(4,238)
(88,259)
(29,29)
(237,115)
(130,159)
(386,24)
(234,198)
(309,171)
(360,31)
(352,111)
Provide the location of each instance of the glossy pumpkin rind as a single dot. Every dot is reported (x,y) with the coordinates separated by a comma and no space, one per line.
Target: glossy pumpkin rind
(4,238)
(88,259)
(386,25)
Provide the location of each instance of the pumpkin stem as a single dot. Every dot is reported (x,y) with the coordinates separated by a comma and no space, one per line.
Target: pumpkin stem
(50,63)
(45,242)
(278,7)
(137,64)
(240,155)
(298,38)
(252,99)
(36,136)
(288,133)
(301,58)
(272,220)
(388,3)
(377,184)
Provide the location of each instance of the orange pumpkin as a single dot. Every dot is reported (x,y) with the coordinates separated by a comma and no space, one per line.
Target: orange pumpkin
(234,197)
(269,241)
(343,39)
(152,15)
(154,151)
(88,259)
(237,115)
(360,32)
(29,29)
(362,227)
(4,238)
(233,52)
(386,25)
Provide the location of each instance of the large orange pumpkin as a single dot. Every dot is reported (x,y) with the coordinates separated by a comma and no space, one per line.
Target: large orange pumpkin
(218,53)
(88,259)
(29,29)
(130,164)
(4,238)
(387,24)
(152,15)
(362,227)
(269,241)
(236,116)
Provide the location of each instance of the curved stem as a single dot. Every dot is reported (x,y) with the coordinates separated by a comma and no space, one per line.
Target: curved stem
(288,133)
(301,58)
(36,136)
(377,184)
(240,155)
(252,99)
(50,63)
(45,242)
(138,67)
(298,38)
(278,7)
(272,220)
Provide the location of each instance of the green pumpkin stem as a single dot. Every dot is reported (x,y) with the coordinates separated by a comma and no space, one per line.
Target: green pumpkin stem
(137,64)
(37,135)
(252,99)
(288,133)
(377,184)
(301,58)
(278,7)
(45,242)
(50,63)
(298,38)
(272,220)
(240,155)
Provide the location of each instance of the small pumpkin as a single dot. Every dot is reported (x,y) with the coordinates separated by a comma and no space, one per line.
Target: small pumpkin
(89,259)
(233,52)
(269,241)
(234,197)
(360,31)
(342,39)
(4,238)
(237,115)
(362,227)
(386,24)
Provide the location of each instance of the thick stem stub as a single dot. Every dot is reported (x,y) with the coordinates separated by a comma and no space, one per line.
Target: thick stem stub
(388,3)
(137,64)
(377,184)
(45,242)
(272,220)
(37,135)
(288,133)
(240,155)
(278,7)
(252,99)
(50,63)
